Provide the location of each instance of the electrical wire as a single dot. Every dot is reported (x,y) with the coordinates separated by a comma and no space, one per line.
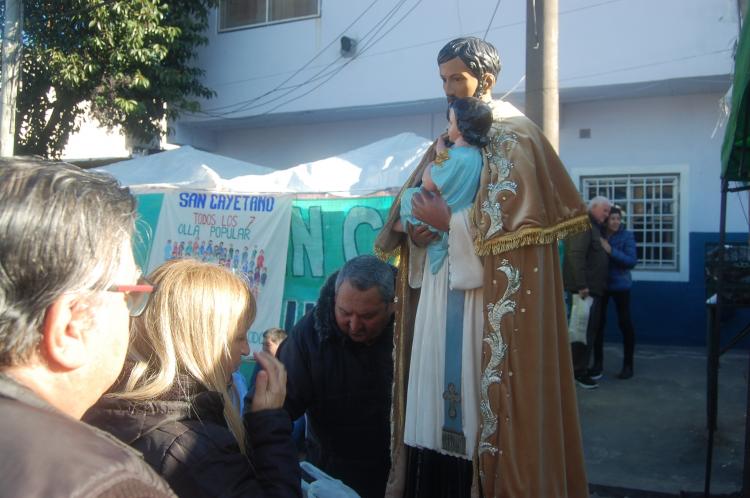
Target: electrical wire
(253,103)
(347,62)
(368,41)
(744,211)
(301,68)
(408,47)
(491,19)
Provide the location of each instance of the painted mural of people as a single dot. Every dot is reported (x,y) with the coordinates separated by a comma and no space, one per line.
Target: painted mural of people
(168,250)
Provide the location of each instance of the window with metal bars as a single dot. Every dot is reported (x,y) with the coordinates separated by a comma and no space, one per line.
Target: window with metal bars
(650,205)
(234,14)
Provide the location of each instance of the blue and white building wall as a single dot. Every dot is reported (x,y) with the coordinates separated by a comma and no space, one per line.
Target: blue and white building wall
(641,84)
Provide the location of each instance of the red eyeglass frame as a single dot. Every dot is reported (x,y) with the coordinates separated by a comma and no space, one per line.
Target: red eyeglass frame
(137,296)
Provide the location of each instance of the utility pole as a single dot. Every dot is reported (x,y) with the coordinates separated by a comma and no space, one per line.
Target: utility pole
(11,71)
(542,95)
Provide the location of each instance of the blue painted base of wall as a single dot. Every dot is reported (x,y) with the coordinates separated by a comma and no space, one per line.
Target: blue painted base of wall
(674,313)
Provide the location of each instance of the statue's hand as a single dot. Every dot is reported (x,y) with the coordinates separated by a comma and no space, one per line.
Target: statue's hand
(431,208)
(421,235)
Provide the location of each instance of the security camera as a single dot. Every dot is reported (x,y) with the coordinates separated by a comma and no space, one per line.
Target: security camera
(348,46)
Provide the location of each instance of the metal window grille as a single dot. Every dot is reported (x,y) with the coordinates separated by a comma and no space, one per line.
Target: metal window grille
(235,14)
(650,205)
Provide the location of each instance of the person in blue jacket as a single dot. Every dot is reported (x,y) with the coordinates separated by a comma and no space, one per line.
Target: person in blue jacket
(620,245)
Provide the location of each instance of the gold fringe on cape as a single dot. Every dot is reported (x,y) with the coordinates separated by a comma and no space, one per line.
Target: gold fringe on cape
(531,236)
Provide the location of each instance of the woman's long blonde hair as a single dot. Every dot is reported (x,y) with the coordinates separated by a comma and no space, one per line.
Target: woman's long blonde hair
(187,328)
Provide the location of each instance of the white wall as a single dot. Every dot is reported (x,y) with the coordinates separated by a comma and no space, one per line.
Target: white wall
(601,43)
(94,141)
(288,146)
(655,133)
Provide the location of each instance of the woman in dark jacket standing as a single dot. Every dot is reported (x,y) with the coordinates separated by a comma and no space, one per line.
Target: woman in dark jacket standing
(172,401)
(620,245)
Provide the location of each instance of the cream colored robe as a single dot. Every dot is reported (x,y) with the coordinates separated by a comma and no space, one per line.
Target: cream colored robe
(462,270)
(529,440)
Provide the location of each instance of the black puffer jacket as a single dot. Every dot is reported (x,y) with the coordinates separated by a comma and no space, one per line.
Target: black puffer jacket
(345,388)
(586,263)
(190,445)
(48,454)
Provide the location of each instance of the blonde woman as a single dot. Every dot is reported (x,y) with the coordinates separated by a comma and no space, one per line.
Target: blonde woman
(172,401)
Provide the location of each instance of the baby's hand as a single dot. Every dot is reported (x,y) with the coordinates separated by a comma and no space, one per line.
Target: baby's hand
(440,144)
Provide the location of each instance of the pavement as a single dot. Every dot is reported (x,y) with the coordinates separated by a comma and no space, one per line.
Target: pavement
(647,436)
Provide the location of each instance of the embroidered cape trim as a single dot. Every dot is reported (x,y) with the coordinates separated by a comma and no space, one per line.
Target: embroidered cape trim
(531,236)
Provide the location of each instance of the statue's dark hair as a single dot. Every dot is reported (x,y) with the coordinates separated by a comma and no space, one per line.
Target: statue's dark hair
(478,55)
(474,119)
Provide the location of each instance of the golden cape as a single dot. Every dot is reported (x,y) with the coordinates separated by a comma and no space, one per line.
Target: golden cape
(529,443)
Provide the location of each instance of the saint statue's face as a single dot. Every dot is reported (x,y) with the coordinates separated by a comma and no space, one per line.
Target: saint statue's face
(458,81)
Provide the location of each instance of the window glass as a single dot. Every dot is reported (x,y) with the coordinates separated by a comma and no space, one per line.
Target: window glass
(242,13)
(650,205)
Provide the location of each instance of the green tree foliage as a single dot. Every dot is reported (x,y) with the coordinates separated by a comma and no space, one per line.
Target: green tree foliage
(131,60)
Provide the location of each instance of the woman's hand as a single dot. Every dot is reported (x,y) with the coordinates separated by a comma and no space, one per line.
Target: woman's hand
(270,384)
(606,246)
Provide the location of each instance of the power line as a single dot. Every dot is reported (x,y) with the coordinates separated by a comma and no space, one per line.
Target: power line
(367,42)
(491,19)
(349,61)
(248,104)
(650,64)
(320,52)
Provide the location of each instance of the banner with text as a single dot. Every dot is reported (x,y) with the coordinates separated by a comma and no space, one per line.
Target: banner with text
(246,233)
(324,234)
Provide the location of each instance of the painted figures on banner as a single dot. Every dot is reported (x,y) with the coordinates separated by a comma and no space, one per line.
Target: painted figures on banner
(243,259)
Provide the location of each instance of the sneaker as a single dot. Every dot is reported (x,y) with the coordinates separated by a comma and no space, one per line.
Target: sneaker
(626,373)
(595,373)
(586,382)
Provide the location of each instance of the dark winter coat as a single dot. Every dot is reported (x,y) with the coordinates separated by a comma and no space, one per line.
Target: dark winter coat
(585,264)
(48,454)
(622,259)
(345,388)
(190,445)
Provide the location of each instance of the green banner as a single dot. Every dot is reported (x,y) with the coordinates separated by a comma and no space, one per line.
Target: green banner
(325,233)
(149,208)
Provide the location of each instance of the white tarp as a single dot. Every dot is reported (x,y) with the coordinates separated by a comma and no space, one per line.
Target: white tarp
(385,164)
(182,166)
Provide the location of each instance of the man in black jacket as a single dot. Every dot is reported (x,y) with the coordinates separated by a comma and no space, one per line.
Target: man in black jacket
(339,372)
(585,270)
(68,283)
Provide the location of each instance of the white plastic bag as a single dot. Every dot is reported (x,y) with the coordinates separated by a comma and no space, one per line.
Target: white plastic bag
(579,318)
(324,486)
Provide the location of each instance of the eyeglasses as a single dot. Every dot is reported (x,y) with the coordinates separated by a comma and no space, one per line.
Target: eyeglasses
(136,296)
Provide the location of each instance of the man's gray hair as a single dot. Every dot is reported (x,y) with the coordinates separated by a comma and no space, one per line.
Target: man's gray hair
(599,199)
(478,55)
(365,272)
(62,230)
